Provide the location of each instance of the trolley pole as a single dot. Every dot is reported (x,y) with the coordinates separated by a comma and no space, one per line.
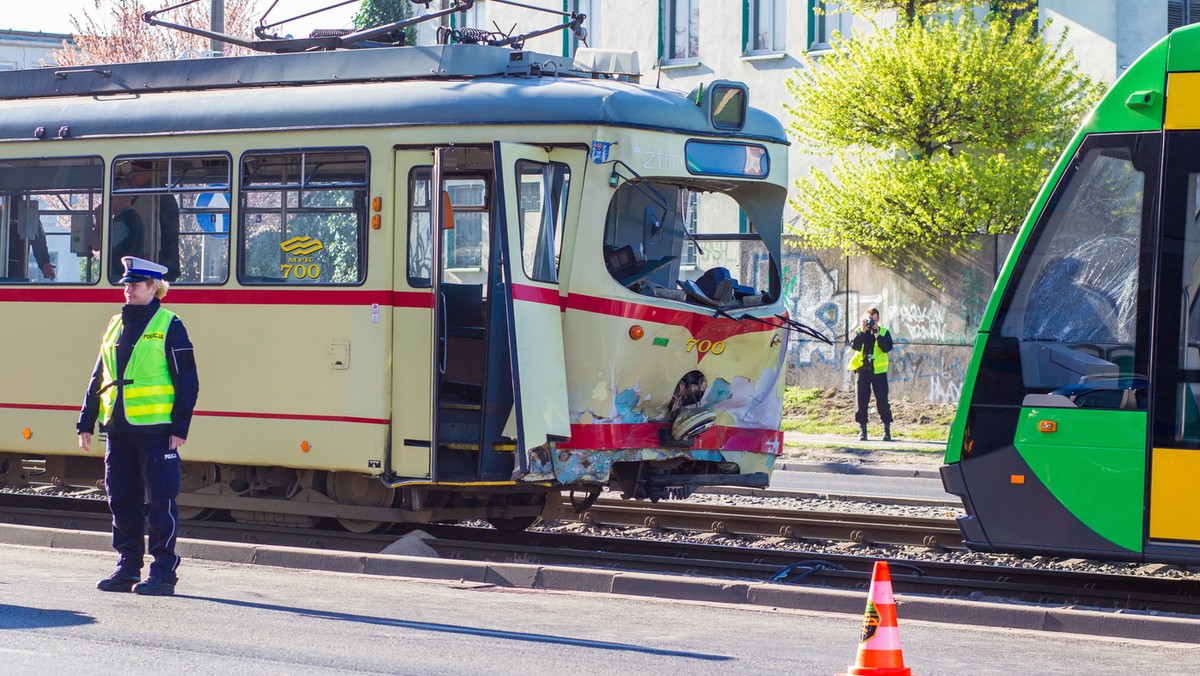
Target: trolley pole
(217,25)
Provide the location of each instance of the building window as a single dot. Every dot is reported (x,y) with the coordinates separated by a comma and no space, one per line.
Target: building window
(766,23)
(824,22)
(1182,13)
(591,10)
(475,17)
(681,30)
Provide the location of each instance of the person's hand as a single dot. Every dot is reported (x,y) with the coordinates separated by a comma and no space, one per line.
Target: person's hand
(866,325)
(85,441)
(47,270)
(177,442)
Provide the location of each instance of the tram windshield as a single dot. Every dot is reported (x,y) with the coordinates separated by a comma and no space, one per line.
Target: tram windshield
(1073,314)
(691,243)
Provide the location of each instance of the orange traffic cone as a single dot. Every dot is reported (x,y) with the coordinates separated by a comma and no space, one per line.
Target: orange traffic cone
(879,650)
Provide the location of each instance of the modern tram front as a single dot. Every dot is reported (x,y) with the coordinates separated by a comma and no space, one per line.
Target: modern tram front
(1078,433)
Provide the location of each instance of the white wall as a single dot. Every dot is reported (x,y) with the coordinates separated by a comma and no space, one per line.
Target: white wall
(1105,35)
(25,49)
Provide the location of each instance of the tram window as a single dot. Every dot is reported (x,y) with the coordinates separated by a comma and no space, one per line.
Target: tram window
(48,211)
(689,243)
(302,217)
(1070,321)
(543,204)
(465,245)
(175,211)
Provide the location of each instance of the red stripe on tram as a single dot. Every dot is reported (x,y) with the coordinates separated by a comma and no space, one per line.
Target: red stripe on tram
(645,435)
(239,296)
(225,414)
(293,416)
(536,294)
(38,407)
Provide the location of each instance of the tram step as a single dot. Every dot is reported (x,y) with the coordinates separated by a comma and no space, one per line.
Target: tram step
(452,406)
(453,446)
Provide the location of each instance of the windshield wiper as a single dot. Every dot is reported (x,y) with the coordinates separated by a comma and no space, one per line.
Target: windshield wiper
(804,329)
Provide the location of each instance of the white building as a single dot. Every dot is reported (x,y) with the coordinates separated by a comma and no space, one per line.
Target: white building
(682,43)
(28,49)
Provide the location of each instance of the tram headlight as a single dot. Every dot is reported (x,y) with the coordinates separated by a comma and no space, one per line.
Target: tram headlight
(636,332)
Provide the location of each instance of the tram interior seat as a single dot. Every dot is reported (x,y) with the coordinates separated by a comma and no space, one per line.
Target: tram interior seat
(465,349)
(1051,365)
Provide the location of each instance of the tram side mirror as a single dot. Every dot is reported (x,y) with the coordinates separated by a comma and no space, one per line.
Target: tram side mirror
(725,102)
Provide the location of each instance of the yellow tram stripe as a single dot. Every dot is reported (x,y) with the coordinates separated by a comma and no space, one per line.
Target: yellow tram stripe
(1173,494)
(1182,101)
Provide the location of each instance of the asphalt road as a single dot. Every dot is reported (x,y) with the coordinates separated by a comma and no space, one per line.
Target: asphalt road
(236,618)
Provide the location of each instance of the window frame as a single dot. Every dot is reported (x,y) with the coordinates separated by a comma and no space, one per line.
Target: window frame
(116,270)
(489,185)
(99,192)
(559,214)
(668,10)
(362,245)
(819,34)
(752,13)
(571,44)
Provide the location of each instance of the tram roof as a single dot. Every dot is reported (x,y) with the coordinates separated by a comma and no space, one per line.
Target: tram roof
(393,86)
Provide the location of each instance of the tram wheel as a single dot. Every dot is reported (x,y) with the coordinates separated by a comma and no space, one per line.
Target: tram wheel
(346,488)
(192,477)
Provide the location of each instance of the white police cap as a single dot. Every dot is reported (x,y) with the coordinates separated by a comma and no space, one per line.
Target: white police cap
(140,269)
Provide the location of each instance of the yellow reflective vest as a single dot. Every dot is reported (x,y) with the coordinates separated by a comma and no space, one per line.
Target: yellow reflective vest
(146,390)
(879,358)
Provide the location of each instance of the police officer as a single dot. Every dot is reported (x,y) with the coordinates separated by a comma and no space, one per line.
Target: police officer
(870,361)
(143,391)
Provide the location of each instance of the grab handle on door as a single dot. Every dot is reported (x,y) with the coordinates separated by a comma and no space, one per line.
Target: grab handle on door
(442,335)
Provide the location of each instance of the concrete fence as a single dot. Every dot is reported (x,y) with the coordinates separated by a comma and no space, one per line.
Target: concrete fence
(933,326)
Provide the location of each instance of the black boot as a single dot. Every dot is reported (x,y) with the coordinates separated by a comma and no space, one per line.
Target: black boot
(887,431)
(862,432)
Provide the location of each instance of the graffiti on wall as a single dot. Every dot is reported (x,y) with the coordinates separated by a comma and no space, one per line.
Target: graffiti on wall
(933,370)
(811,291)
(934,330)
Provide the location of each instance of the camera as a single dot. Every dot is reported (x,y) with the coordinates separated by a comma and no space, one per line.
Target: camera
(871,324)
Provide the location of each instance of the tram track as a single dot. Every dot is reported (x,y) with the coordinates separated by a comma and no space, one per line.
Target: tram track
(818,569)
(875,529)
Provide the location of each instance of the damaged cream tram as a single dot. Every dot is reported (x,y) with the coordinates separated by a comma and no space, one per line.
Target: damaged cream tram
(423,283)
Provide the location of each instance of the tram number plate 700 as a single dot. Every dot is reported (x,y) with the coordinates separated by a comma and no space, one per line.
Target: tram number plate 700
(300,271)
(706,346)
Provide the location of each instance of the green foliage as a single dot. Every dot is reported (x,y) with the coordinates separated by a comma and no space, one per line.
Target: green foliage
(796,396)
(373,13)
(918,9)
(940,129)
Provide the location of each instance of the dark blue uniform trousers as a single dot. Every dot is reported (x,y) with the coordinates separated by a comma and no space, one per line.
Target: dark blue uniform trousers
(142,476)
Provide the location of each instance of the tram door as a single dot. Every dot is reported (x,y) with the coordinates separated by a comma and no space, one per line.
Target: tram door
(451,384)
(533,203)
(1175,459)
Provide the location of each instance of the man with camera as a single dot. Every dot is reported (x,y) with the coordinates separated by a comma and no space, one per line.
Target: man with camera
(871,346)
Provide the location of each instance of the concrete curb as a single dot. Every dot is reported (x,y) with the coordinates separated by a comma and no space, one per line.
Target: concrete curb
(561,578)
(870,470)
